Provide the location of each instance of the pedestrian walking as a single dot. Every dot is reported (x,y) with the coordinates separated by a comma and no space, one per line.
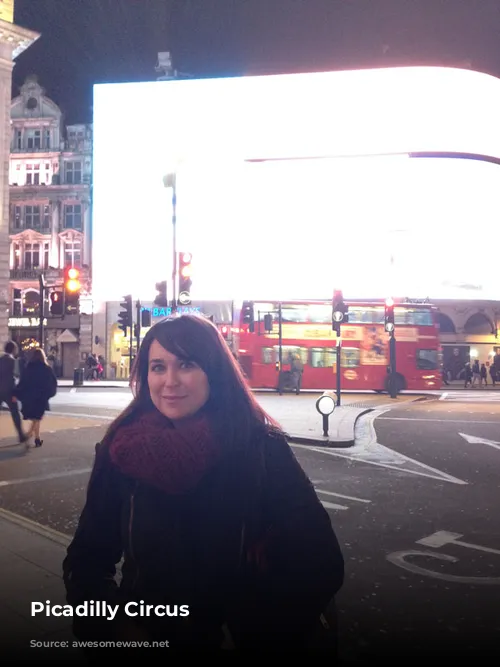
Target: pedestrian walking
(197,488)
(8,385)
(38,384)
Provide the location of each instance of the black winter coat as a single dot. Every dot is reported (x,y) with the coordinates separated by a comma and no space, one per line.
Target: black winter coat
(192,550)
(38,384)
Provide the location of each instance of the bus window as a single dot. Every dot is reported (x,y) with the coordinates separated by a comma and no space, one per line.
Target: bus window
(427,360)
(267,355)
(287,352)
(349,357)
(365,315)
(322,357)
(420,317)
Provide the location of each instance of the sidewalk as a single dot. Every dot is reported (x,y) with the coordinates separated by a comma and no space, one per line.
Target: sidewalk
(31,560)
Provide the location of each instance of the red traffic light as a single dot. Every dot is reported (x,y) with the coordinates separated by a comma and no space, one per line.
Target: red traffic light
(389,302)
(72,279)
(224,330)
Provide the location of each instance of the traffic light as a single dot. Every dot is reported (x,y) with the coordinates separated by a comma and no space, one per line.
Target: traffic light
(72,288)
(224,331)
(340,311)
(161,298)
(145,318)
(185,273)
(247,315)
(389,315)
(56,303)
(125,316)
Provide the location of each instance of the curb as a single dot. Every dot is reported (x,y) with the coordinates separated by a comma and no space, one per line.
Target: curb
(326,441)
(34,527)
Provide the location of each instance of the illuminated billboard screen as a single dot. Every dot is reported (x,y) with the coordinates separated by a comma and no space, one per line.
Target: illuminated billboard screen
(288,186)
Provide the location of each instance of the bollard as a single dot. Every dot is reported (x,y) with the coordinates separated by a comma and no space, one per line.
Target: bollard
(325,405)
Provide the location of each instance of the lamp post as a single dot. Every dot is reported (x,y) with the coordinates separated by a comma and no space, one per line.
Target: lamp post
(169,181)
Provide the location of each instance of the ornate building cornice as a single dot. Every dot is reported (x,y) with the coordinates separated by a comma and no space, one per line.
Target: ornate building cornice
(17,37)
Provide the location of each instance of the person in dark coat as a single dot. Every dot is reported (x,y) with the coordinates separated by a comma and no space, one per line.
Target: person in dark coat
(8,385)
(37,385)
(221,531)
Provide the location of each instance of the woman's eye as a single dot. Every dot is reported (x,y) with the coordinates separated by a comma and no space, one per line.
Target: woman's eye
(157,368)
(187,364)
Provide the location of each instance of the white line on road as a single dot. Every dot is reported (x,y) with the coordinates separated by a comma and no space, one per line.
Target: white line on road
(340,495)
(444,537)
(84,416)
(333,506)
(42,478)
(442,476)
(443,396)
(432,419)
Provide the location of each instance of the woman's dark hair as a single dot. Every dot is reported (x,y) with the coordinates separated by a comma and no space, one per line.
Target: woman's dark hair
(231,406)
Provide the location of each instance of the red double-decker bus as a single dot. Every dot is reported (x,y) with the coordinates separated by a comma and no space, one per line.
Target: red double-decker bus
(267,335)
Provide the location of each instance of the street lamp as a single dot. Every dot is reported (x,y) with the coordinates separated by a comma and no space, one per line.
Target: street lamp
(170,181)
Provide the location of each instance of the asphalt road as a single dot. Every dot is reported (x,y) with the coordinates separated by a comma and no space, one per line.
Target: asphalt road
(410,477)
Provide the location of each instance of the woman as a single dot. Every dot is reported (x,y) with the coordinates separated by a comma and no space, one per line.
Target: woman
(37,385)
(196,486)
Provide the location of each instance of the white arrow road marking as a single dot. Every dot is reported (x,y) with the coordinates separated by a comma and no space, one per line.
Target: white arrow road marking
(333,506)
(443,537)
(368,450)
(341,495)
(473,440)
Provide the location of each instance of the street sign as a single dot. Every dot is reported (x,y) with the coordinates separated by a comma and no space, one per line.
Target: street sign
(184,298)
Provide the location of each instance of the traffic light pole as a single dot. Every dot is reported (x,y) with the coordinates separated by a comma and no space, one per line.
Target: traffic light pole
(337,358)
(174,246)
(138,325)
(392,361)
(41,309)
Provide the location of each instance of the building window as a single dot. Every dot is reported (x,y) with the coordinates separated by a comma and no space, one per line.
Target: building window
(32,256)
(73,172)
(17,218)
(31,303)
(46,217)
(17,256)
(19,139)
(34,139)
(47,138)
(17,303)
(32,217)
(72,253)
(73,216)
(32,174)
(46,250)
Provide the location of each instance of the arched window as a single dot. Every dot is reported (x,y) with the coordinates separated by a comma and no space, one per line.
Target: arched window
(31,305)
(445,324)
(479,325)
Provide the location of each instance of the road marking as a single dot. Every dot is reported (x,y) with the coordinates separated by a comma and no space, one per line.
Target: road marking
(42,478)
(433,419)
(340,495)
(443,396)
(333,506)
(84,416)
(72,391)
(399,558)
(443,537)
(441,476)
(473,440)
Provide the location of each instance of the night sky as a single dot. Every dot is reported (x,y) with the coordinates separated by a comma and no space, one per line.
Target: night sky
(94,41)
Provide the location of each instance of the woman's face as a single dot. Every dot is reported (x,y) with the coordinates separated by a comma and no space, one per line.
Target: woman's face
(178,388)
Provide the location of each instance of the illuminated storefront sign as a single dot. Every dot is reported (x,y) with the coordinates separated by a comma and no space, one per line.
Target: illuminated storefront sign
(25,322)
(166,312)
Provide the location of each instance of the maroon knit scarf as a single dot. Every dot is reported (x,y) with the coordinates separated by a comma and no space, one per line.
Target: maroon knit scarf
(170,457)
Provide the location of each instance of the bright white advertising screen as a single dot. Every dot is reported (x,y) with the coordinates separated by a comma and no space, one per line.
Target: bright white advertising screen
(288,186)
